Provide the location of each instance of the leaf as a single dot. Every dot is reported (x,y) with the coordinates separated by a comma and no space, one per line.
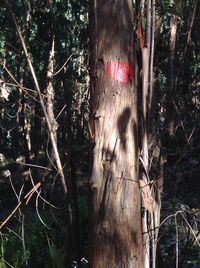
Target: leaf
(56,257)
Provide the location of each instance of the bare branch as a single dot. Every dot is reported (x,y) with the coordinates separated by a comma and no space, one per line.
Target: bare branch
(63,66)
(47,119)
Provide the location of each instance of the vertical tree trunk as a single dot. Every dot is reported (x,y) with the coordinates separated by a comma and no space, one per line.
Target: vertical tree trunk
(191,22)
(146,49)
(36,135)
(171,113)
(116,235)
(150,191)
(50,93)
(25,120)
(21,134)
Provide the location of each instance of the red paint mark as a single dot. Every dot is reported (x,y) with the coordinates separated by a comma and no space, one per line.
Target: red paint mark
(120,71)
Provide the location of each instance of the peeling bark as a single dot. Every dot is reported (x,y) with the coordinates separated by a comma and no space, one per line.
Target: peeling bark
(116,236)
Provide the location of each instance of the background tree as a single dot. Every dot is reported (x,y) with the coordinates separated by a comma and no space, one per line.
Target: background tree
(40,226)
(42,18)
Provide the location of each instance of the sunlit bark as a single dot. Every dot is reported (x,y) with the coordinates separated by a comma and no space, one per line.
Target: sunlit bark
(116,237)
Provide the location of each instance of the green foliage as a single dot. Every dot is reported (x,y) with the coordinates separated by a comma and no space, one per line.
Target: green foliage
(2,264)
(2,261)
(39,251)
(55,257)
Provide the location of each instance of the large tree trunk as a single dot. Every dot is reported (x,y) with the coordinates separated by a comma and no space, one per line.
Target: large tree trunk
(116,236)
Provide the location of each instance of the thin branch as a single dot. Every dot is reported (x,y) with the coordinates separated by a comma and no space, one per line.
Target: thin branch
(196,238)
(22,87)
(190,28)
(17,84)
(11,231)
(32,192)
(31,165)
(63,66)
(10,216)
(49,157)
(26,198)
(52,138)
(181,212)
(60,112)
(37,211)
(145,168)
(151,60)
(23,239)
(39,192)
(176,226)
(11,183)
(7,263)
(181,122)
(20,192)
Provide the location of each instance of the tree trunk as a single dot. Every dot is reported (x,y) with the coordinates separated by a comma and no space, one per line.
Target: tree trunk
(150,191)
(171,113)
(116,235)
(146,49)
(50,94)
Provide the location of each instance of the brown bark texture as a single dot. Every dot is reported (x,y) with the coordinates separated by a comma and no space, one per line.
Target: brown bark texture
(116,236)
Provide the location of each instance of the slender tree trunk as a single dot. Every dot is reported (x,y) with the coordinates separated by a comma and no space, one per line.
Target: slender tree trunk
(23,117)
(192,18)
(47,119)
(49,92)
(21,134)
(150,192)
(171,113)
(151,64)
(116,235)
(36,135)
(73,246)
(145,112)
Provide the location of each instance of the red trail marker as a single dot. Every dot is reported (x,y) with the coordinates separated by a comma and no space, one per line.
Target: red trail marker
(120,71)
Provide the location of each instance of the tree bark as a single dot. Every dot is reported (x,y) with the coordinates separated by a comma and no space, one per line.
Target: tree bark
(150,191)
(116,228)
(146,49)
(171,113)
